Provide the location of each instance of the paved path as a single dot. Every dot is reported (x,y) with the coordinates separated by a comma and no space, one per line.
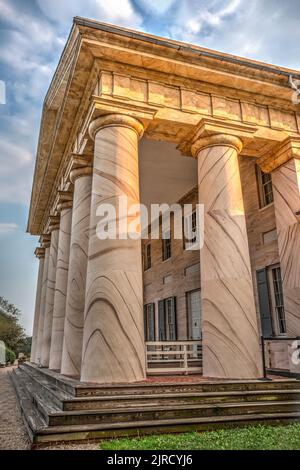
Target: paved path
(12,431)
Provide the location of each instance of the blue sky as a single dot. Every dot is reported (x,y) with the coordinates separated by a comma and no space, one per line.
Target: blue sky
(32,36)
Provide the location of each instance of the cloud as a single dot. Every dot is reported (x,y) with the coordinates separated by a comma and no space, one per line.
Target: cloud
(16,163)
(158,7)
(120,12)
(7,228)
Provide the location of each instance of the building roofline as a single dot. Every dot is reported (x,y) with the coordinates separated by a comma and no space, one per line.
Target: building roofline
(186,47)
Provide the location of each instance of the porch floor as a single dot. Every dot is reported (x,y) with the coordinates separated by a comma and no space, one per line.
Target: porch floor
(151,379)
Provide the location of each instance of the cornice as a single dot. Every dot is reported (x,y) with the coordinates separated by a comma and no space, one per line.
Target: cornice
(201,84)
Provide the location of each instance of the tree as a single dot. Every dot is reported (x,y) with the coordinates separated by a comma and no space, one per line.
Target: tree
(11,332)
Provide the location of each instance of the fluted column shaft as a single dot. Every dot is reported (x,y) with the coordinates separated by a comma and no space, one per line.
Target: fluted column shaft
(286,186)
(231,346)
(38,356)
(40,254)
(61,282)
(113,342)
(50,296)
(73,330)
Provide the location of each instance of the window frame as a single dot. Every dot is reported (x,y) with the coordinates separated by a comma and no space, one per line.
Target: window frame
(150,305)
(263,195)
(169,301)
(189,315)
(166,247)
(276,295)
(192,221)
(147,256)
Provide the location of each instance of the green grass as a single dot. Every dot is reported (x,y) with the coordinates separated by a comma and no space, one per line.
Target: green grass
(258,437)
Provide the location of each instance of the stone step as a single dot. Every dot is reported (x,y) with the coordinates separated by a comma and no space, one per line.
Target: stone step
(173,408)
(159,388)
(84,433)
(65,384)
(31,417)
(39,383)
(168,412)
(176,399)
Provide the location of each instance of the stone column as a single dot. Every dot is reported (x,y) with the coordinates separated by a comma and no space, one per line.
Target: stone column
(113,341)
(73,331)
(231,347)
(286,187)
(54,230)
(45,242)
(64,207)
(40,254)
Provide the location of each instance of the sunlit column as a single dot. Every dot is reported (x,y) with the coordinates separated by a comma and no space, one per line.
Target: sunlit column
(51,276)
(231,346)
(40,254)
(45,243)
(64,207)
(286,186)
(113,342)
(73,329)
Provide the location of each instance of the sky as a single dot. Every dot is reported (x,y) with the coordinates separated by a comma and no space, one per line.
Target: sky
(32,36)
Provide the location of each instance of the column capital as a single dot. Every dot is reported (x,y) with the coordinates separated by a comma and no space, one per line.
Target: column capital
(64,200)
(285,151)
(216,140)
(44,240)
(53,223)
(116,120)
(80,165)
(39,252)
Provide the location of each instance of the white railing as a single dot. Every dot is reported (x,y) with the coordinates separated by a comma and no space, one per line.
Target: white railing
(165,357)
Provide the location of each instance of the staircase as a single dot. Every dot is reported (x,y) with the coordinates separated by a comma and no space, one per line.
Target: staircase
(57,408)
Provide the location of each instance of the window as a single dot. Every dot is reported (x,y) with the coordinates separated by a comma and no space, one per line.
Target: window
(166,246)
(277,299)
(193,299)
(149,322)
(167,319)
(147,256)
(190,231)
(265,187)
(270,296)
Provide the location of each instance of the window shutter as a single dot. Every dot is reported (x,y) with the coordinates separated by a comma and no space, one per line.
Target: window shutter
(152,323)
(174,320)
(264,303)
(161,321)
(145,322)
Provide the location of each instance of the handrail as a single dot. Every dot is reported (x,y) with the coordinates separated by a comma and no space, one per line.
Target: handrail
(280,338)
(174,356)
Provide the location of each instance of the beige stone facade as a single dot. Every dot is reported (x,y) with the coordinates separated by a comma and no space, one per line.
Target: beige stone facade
(158,121)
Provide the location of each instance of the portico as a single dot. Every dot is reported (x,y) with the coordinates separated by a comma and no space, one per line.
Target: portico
(113,91)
